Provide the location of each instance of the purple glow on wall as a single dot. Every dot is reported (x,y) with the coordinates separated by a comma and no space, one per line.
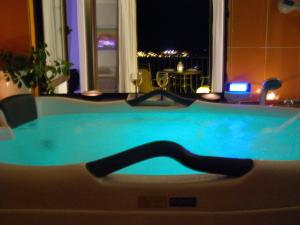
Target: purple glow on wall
(73,47)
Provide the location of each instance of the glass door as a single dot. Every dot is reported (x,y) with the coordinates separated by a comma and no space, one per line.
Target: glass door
(107,45)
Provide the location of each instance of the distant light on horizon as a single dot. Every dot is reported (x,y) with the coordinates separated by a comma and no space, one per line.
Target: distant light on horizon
(164,54)
(170,52)
(141,54)
(152,54)
(185,54)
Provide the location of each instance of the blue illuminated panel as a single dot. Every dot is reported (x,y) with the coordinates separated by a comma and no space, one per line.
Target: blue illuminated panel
(238,87)
(235,92)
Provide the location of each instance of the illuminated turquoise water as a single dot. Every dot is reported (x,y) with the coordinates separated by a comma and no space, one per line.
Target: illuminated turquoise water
(75,138)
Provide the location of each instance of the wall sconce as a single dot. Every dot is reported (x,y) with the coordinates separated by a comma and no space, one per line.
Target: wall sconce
(270,84)
(271,96)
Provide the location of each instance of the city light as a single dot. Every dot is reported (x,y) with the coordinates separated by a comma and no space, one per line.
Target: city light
(184,54)
(170,52)
(164,54)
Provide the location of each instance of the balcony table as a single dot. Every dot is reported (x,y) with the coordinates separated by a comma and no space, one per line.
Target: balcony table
(185,80)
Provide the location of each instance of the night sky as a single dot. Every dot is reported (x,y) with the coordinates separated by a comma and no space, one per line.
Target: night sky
(173,24)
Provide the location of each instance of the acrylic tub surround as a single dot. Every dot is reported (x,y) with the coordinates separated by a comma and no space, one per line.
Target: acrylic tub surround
(43,171)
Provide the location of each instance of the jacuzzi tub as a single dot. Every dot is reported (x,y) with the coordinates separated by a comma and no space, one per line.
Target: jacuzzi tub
(46,190)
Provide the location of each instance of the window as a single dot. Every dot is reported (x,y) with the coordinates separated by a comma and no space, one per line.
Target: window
(173,31)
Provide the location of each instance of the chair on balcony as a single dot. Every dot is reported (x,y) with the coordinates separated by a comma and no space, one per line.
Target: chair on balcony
(147,83)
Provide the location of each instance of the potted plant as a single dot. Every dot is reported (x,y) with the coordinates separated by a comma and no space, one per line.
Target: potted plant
(35,71)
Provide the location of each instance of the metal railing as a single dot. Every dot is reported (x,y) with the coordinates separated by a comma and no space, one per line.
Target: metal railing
(155,64)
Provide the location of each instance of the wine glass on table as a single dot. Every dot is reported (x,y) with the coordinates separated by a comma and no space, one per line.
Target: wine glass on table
(162,79)
(136,80)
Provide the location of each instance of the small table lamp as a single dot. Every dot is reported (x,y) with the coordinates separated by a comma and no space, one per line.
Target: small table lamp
(180,67)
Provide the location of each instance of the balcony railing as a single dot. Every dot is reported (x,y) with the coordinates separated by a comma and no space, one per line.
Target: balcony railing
(155,64)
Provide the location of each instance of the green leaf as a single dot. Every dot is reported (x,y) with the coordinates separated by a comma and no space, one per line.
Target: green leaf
(56,63)
(33,69)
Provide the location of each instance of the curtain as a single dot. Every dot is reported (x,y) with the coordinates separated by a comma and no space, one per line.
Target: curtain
(53,17)
(127,44)
(218,45)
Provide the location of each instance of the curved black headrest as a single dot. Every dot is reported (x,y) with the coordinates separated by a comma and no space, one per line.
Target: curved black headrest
(19,109)
(272,84)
